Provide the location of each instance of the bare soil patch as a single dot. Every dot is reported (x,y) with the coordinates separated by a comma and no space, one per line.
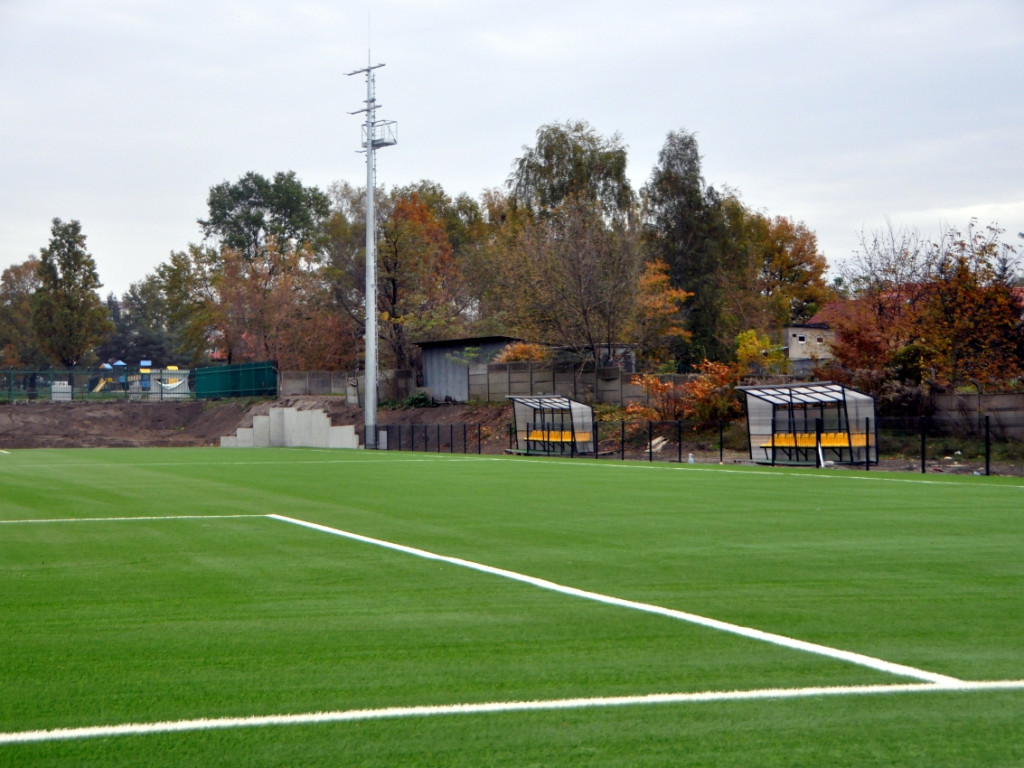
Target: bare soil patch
(203,423)
(116,425)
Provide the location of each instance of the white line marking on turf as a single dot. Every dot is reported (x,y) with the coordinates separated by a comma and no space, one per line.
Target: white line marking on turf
(750,471)
(387,457)
(354,715)
(735,629)
(125,519)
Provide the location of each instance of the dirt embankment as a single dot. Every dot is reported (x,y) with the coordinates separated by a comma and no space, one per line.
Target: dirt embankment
(199,423)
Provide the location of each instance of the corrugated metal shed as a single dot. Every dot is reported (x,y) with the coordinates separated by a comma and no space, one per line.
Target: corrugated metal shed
(445,368)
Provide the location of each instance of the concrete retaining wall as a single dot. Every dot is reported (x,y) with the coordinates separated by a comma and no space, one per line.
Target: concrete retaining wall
(290,427)
(968,412)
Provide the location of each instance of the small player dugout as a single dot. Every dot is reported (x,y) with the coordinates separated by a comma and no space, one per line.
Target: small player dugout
(551,424)
(811,424)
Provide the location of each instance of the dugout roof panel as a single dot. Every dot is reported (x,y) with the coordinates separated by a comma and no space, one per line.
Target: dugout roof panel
(816,393)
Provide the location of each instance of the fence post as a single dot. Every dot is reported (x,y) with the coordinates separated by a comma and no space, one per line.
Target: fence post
(478,444)
(923,424)
(988,449)
(867,443)
(622,441)
(650,441)
(679,441)
(721,442)
(597,440)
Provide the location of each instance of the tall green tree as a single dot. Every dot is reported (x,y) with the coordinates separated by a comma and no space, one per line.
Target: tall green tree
(143,329)
(245,213)
(572,161)
(68,316)
(685,228)
(186,284)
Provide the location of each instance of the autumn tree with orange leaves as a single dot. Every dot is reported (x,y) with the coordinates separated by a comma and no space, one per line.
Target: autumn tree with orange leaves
(660,320)
(18,344)
(420,287)
(707,397)
(971,330)
(943,313)
(274,307)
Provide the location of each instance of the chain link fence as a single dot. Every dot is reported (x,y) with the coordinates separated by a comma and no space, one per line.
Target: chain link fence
(97,385)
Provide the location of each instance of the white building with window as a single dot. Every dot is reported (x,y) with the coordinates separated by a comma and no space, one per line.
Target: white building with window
(807,345)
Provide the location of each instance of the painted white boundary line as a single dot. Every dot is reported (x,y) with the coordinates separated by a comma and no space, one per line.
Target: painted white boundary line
(551,461)
(735,629)
(124,519)
(353,715)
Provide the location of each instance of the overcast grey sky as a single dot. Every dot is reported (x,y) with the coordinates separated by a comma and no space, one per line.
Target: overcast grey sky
(123,113)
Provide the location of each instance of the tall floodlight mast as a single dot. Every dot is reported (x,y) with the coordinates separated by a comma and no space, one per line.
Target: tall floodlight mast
(376,134)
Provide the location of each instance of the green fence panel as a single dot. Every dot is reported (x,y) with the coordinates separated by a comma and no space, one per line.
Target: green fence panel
(242,380)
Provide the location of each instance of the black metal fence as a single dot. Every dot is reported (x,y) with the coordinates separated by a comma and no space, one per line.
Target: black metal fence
(673,441)
(431,438)
(904,444)
(928,445)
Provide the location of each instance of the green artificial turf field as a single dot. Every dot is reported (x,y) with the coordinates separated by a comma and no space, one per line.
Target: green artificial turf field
(468,611)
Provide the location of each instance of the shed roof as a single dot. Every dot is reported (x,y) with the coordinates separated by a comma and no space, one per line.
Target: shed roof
(544,402)
(815,393)
(470,341)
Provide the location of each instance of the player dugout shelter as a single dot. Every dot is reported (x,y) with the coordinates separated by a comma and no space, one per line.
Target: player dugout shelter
(811,424)
(552,424)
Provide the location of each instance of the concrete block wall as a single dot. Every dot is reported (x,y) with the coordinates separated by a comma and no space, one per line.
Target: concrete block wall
(290,427)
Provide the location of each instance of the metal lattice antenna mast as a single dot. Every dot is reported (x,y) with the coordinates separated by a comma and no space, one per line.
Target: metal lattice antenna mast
(376,134)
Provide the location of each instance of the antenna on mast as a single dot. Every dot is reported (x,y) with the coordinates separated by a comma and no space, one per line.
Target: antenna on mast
(376,134)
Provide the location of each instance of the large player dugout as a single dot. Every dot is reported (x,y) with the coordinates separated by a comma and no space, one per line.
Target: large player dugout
(551,424)
(811,424)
